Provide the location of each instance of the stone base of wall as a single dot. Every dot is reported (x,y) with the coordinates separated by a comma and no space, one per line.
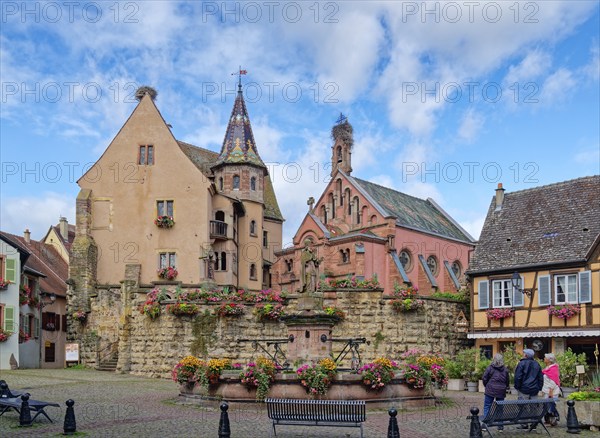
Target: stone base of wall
(155,346)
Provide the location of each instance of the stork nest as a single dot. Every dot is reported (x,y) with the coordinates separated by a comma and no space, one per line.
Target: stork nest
(145,89)
(343,132)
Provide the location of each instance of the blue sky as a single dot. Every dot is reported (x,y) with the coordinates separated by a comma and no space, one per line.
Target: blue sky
(446,99)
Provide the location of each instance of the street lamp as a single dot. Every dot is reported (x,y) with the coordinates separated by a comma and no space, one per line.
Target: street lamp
(516,284)
(52,298)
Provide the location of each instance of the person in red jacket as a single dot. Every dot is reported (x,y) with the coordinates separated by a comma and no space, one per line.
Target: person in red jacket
(551,388)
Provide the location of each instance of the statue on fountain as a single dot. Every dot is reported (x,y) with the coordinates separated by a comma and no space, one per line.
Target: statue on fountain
(313,300)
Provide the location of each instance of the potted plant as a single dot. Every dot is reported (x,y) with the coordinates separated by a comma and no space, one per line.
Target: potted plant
(316,378)
(80,316)
(467,359)
(567,365)
(164,221)
(259,375)
(4,335)
(4,284)
(168,273)
(456,381)
(378,373)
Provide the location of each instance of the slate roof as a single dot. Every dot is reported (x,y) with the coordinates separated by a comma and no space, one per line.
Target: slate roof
(538,226)
(414,213)
(46,260)
(204,159)
(239,145)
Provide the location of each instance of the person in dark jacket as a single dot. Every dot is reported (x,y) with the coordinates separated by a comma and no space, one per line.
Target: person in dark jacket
(529,379)
(495,380)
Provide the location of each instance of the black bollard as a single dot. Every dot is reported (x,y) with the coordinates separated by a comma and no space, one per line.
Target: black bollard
(224,430)
(70,426)
(572,421)
(393,431)
(25,414)
(475,431)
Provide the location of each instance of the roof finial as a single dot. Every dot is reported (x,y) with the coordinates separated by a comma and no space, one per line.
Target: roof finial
(342,119)
(240,72)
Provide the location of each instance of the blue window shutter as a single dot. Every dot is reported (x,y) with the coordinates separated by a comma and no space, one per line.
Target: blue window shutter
(585,287)
(544,292)
(517,295)
(483,294)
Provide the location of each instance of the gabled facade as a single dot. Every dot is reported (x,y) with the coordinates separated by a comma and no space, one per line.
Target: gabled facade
(548,238)
(61,237)
(11,259)
(152,202)
(363,229)
(39,323)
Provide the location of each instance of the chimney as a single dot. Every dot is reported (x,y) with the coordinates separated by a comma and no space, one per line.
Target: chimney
(63,227)
(499,197)
(27,235)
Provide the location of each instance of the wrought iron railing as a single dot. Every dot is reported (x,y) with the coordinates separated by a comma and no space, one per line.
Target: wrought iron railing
(218,230)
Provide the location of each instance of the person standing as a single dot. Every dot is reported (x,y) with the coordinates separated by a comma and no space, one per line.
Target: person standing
(529,379)
(551,388)
(495,379)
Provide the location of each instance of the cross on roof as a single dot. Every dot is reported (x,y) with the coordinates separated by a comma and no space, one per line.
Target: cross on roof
(342,119)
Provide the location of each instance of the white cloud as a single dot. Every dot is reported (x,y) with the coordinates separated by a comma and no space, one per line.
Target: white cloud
(534,65)
(470,125)
(557,86)
(36,213)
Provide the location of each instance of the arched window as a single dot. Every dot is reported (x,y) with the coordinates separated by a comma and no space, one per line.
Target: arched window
(253,228)
(339,191)
(253,183)
(339,154)
(357,209)
(223,261)
(364,213)
(406,260)
(373,220)
(324,214)
(221,183)
(433,264)
(347,196)
(236,182)
(252,271)
(332,204)
(220,216)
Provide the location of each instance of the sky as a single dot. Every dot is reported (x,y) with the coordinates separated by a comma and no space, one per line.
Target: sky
(447,99)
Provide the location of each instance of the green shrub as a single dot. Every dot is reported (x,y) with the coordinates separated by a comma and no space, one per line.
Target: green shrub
(567,364)
(585,396)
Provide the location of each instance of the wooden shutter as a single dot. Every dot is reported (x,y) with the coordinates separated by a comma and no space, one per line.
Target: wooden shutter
(10,270)
(585,287)
(518,295)
(36,327)
(57,322)
(544,291)
(9,319)
(64,323)
(483,294)
(45,319)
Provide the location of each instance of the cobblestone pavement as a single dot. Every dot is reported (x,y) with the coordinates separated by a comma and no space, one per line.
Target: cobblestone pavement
(114,405)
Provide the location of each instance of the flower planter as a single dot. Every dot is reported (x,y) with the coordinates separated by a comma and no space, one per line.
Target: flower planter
(567,390)
(472,386)
(588,412)
(456,384)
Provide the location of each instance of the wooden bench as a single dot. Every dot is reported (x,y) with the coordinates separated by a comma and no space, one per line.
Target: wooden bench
(292,412)
(37,406)
(515,412)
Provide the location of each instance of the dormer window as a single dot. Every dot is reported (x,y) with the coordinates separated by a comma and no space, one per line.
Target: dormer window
(146,155)
(236,182)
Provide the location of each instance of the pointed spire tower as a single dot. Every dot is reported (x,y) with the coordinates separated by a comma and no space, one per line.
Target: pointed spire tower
(239,170)
(342,134)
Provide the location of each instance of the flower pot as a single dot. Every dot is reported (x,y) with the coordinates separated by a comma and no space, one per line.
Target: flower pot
(456,385)
(567,390)
(472,386)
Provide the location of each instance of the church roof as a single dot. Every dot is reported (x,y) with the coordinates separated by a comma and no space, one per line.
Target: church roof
(552,224)
(410,212)
(239,146)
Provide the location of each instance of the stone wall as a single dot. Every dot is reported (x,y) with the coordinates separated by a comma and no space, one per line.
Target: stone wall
(155,346)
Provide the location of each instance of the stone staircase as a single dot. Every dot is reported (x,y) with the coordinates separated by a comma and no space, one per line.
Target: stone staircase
(109,364)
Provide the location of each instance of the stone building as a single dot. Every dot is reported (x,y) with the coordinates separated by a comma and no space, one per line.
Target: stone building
(362,229)
(156,211)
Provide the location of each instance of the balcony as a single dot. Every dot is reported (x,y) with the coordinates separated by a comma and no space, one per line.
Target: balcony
(218,230)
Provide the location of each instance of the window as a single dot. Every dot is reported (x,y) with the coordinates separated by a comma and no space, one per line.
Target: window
(221,183)
(345,254)
(565,289)
(265,239)
(347,196)
(166,259)
(290,265)
(324,214)
(236,182)
(406,260)
(456,268)
(164,208)
(253,183)
(146,155)
(221,261)
(433,264)
(220,216)
(339,154)
(357,207)
(332,205)
(2,264)
(253,228)
(339,191)
(252,271)
(502,293)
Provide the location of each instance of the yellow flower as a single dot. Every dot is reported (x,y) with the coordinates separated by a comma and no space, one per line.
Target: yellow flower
(328,364)
(191,361)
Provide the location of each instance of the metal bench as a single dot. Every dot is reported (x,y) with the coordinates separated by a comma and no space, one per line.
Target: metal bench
(515,412)
(5,391)
(292,412)
(37,406)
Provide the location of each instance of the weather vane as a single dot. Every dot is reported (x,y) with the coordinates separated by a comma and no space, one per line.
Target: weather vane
(342,119)
(240,72)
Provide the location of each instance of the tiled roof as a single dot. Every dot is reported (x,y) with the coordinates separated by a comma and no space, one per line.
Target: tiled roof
(239,145)
(46,260)
(413,212)
(548,224)
(204,159)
